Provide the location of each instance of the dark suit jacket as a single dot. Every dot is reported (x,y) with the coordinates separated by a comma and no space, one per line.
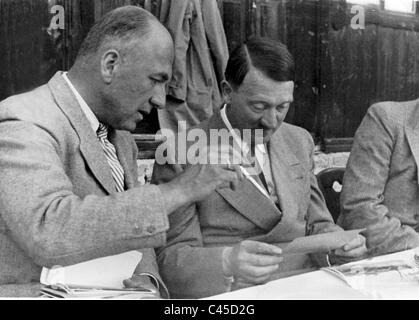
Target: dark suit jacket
(380,187)
(191,263)
(58,204)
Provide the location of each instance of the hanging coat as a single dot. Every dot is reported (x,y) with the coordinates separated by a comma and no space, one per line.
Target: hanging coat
(201,56)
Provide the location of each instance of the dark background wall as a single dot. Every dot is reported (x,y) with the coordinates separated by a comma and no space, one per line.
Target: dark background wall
(340,71)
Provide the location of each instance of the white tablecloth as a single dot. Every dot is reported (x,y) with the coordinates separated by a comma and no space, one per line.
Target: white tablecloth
(321,285)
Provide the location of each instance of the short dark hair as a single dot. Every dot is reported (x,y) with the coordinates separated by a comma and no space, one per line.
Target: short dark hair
(269,56)
(121,23)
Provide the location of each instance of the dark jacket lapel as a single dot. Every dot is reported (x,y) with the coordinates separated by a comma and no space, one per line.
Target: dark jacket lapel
(247,199)
(90,146)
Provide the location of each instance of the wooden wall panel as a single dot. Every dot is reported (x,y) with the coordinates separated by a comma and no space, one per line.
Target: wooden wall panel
(104,6)
(301,39)
(348,86)
(340,71)
(234,20)
(80,17)
(24,45)
(398,77)
(361,67)
(32,52)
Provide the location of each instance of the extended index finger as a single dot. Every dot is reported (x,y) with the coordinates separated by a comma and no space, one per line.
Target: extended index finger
(262,248)
(359,241)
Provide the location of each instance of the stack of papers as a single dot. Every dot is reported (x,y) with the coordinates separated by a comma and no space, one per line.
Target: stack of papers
(95,279)
(65,292)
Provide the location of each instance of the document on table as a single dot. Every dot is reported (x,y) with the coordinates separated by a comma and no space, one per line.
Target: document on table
(323,242)
(98,278)
(393,276)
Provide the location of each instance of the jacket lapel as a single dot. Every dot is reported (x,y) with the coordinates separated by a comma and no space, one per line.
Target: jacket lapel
(123,147)
(90,146)
(412,133)
(247,199)
(282,161)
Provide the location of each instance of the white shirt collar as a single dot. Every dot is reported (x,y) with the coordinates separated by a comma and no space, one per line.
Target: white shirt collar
(260,151)
(94,122)
(260,148)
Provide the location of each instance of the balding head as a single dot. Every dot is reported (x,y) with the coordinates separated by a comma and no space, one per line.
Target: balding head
(117,28)
(123,67)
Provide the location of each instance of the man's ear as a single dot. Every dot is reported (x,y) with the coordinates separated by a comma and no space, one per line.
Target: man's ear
(109,65)
(226,91)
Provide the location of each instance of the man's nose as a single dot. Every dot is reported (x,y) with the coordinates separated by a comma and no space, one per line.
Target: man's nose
(158,100)
(270,119)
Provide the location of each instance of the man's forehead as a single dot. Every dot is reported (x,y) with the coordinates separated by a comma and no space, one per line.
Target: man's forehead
(258,85)
(254,77)
(156,37)
(154,53)
(155,44)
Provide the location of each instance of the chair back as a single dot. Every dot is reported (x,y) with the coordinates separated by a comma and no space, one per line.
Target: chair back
(330,182)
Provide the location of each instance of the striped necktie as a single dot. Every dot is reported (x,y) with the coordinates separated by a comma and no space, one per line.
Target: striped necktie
(111,157)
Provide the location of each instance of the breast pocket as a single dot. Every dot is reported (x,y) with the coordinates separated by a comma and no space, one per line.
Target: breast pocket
(301,177)
(298,171)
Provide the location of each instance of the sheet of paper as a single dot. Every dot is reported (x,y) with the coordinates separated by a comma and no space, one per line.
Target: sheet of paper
(382,277)
(106,273)
(323,242)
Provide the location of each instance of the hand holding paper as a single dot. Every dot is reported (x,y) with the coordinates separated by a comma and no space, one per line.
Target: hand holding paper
(251,262)
(354,250)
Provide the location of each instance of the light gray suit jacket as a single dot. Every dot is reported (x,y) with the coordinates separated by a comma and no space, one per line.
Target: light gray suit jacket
(191,263)
(380,187)
(58,204)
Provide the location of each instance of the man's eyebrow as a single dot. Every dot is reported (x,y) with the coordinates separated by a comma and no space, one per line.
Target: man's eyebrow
(266,102)
(163,76)
(258,99)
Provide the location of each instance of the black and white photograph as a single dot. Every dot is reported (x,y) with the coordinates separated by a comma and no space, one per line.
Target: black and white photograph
(221,151)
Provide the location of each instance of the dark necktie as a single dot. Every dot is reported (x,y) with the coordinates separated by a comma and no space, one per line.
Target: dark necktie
(262,179)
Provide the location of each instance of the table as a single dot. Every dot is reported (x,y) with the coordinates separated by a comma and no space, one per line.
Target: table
(321,285)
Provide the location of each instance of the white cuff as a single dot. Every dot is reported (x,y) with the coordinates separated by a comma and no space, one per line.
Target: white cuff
(228,276)
(328,260)
(228,283)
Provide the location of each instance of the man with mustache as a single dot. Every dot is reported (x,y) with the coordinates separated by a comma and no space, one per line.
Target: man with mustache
(226,241)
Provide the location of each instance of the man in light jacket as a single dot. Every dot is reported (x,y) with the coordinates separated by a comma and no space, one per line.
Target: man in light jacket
(68,173)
